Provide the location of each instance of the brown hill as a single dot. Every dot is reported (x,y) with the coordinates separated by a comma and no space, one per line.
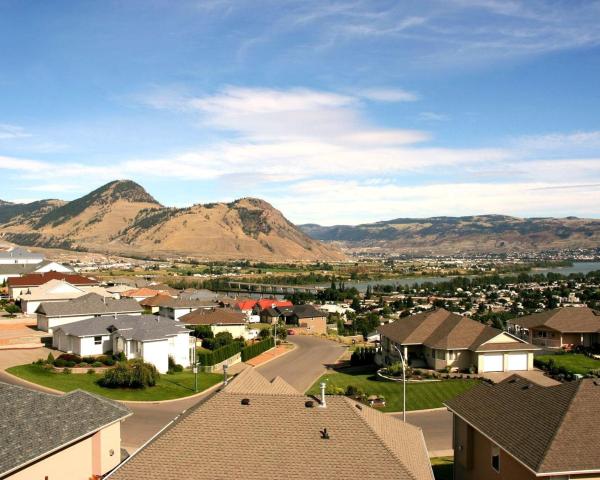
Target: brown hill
(122,218)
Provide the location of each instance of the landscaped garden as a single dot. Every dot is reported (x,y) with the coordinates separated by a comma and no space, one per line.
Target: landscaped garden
(565,363)
(363,381)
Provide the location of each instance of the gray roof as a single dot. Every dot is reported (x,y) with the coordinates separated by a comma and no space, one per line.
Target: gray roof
(174,303)
(308,311)
(17,253)
(139,327)
(33,424)
(90,304)
(21,268)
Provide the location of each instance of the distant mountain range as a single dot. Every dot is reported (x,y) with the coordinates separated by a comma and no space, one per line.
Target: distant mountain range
(446,235)
(122,218)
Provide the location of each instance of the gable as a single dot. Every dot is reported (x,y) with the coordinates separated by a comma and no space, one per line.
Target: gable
(502,338)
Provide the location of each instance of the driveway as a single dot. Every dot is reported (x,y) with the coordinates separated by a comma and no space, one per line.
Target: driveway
(307,362)
(437,429)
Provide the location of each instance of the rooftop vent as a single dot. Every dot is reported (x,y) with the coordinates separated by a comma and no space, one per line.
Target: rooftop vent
(245,401)
(513,380)
(527,387)
(309,404)
(324,434)
(597,383)
(359,406)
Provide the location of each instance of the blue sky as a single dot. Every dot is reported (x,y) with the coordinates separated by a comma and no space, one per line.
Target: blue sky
(336,112)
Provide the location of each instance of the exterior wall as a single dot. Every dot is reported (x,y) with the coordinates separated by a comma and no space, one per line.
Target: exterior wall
(53,267)
(551,338)
(157,353)
(235,330)
(502,338)
(179,349)
(88,347)
(91,456)
(29,307)
(473,461)
(53,322)
(316,325)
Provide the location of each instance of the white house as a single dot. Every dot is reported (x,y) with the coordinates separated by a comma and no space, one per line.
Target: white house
(148,337)
(53,314)
(175,308)
(19,255)
(10,270)
(31,282)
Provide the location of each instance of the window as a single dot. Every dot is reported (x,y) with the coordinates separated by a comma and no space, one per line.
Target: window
(97,340)
(441,354)
(451,355)
(495,458)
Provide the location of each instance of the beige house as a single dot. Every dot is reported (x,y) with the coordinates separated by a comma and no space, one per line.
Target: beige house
(565,327)
(519,430)
(438,339)
(31,282)
(220,320)
(76,436)
(308,317)
(274,432)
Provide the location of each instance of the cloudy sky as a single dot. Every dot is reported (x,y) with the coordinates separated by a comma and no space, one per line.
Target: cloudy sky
(342,111)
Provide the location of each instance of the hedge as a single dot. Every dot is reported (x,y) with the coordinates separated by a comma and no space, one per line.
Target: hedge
(257,348)
(217,356)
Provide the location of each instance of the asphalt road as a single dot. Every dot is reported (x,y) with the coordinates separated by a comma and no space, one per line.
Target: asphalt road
(437,429)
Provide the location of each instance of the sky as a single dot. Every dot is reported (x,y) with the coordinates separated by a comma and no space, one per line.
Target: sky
(336,112)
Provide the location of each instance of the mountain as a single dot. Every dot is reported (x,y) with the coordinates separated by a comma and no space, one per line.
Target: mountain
(444,235)
(122,218)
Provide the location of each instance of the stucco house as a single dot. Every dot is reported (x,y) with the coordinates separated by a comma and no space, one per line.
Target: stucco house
(75,436)
(438,339)
(220,320)
(565,327)
(52,314)
(148,337)
(308,317)
(30,282)
(175,308)
(519,430)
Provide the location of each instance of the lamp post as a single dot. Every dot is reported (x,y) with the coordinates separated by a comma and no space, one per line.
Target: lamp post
(196,369)
(225,374)
(403,361)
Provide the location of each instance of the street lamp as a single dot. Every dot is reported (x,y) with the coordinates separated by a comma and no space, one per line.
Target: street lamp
(403,361)
(196,369)
(225,374)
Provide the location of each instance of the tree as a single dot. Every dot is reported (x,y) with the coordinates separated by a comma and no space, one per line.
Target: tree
(12,309)
(265,333)
(340,326)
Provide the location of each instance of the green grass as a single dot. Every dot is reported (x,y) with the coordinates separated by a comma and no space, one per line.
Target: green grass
(442,468)
(419,396)
(260,326)
(574,362)
(168,387)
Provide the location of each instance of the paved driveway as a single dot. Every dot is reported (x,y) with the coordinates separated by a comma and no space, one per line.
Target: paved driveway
(437,429)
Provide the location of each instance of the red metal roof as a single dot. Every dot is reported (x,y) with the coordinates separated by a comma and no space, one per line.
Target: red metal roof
(37,279)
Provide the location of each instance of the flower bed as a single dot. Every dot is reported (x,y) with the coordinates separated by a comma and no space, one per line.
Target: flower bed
(78,370)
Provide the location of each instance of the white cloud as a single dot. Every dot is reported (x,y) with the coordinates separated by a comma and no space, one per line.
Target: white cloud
(9,132)
(433,116)
(553,141)
(389,95)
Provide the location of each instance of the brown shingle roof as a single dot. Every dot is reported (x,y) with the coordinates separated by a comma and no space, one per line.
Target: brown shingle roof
(37,279)
(250,381)
(565,320)
(548,429)
(503,347)
(155,301)
(440,329)
(213,316)
(278,436)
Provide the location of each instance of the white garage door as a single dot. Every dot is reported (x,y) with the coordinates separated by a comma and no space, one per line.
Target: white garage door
(517,361)
(493,363)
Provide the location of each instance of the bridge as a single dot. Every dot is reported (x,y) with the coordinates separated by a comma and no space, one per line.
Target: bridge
(272,289)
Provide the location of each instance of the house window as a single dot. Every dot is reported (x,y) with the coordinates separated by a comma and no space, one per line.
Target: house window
(451,355)
(441,354)
(97,340)
(495,458)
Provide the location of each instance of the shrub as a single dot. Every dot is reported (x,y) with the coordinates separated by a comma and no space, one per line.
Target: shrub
(88,359)
(67,371)
(59,362)
(97,364)
(71,364)
(265,333)
(70,357)
(217,355)
(83,364)
(363,356)
(50,358)
(132,374)
(252,351)
(331,390)
(174,367)
(120,357)
(90,371)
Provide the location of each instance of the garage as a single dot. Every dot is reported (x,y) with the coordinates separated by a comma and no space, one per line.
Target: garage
(517,361)
(492,363)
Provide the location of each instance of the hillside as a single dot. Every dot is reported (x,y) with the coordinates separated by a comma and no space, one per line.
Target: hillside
(122,218)
(444,235)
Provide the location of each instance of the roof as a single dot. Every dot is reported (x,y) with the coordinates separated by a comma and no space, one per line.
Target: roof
(270,302)
(308,311)
(249,381)
(141,292)
(61,290)
(359,438)
(441,329)
(187,303)
(214,316)
(548,429)
(245,304)
(27,433)
(19,253)
(155,301)
(139,327)
(565,320)
(37,279)
(22,268)
(89,304)
(118,288)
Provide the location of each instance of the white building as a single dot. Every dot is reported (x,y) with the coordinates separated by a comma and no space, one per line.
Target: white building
(19,255)
(175,308)
(151,338)
(10,270)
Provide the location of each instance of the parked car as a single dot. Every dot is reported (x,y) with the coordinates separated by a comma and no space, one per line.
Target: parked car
(291,331)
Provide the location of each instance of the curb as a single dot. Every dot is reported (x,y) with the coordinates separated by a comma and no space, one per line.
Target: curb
(33,384)
(289,350)
(325,373)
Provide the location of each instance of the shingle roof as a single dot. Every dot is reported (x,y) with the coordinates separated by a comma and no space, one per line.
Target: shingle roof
(213,316)
(155,301)
(278,436)
(249,381)
(15,253)
(308,311)
(89,304)
(187,303)
(548,429)
(139,327)
(33,423)
(441,329)
(37,279)
(565,320)
(21,268)
(141,292)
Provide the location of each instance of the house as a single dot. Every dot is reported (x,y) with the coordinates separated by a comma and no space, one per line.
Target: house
(9,270)
(30,282)
(220,320)
(117,290)
(270,315)
(439,339)
(175,308)
(566,327)
(152,304)
(52,314)
(19,255)
(519,430)
(140,294)
(148,337)
(308,317)
(75,436)
(56,291)
(307,439)
(334,308)
(271,303)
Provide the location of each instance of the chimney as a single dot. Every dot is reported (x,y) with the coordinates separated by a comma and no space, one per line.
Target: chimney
(323,401)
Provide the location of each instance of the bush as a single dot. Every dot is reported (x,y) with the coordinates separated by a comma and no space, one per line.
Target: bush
(70,357)
(67,371)
(132,374)
(203,331)
(363,356)
(71,364)
(59,362)
(265,333)
(252,351)
(97,364)
(217,355)
(50,358)
(106,360)
(91,371)
(120,357)
(331,390)
(88,359)
(83,364)
(174,367)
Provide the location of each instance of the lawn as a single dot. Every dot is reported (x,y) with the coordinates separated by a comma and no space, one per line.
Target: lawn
(169,386)
(574,362)
(419,396)
(442,468)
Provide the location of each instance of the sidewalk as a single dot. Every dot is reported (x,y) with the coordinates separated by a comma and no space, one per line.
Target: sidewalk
(270,355)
